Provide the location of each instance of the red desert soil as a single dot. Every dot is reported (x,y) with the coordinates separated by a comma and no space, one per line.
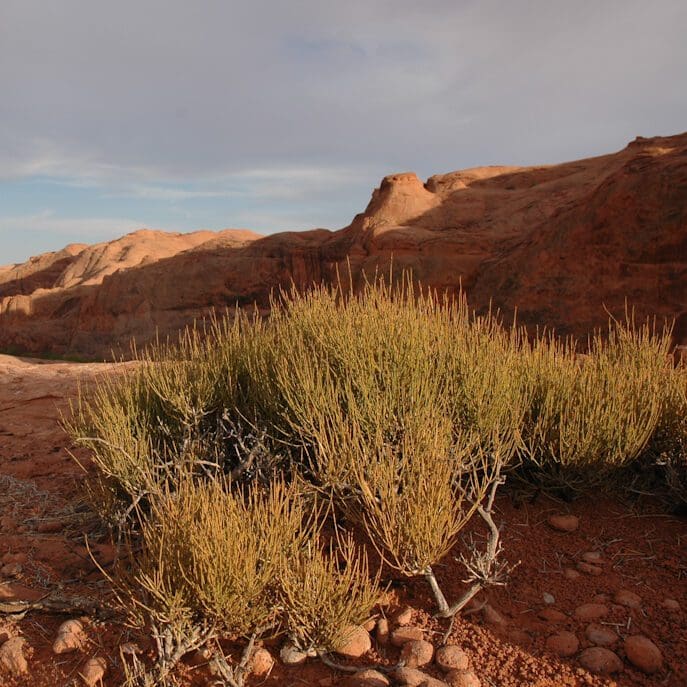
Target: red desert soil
(565,244)
(44,517)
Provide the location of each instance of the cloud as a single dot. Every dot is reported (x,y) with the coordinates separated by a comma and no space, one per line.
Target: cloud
(91,228)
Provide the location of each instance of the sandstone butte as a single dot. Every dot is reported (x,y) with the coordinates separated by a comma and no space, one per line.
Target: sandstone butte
(565,244)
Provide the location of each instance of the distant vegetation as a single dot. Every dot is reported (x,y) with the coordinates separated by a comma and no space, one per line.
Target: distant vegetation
(248,465)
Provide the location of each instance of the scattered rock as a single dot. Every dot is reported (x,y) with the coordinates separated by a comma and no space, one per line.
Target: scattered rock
(624,597)
(12,657)
(601,598)
(261,663)
(410,677)
(591,611)
(5,592)
(11,569)
(599,660)
(401,635)
(589,569)
(199,657)
(668,604)
(451,657)
(564,523)
(403,617)
(70,637)
(563,643)
(417,653)
(492,617)
(382,631)
(356,642)
(368,678)
(552,615)
(548,598)
(643,653)
(370,624)
(433,682)
(600,635)
(94,671)
(50,526)
(130,648)
(570,574)
(291,655)
(594,557)
(462,678)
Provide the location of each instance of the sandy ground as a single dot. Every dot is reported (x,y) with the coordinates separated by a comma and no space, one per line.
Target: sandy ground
(44,519)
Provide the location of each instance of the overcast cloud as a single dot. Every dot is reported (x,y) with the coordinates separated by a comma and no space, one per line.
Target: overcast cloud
(285,114)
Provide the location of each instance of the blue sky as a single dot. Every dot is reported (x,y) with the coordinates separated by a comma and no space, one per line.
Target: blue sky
(277,115)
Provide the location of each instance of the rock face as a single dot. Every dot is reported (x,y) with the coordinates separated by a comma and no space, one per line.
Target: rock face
(562,243)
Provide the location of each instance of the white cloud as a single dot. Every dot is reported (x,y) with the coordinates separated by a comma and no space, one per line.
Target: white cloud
(47,221)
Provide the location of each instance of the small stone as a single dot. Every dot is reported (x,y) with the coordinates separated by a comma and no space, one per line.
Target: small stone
(643,653)
(70,637)
(12,657)
(433,682)
(451,657)
(600,635)
(462,678)
(552,615)
(570,574)
(382,631)
(594,557)
(355,642)
(548,598)
(417,653)
(563,643)
(403,617)
(564,523)
(410,677)
(624,597)
(11,569)
(130,648)
(492,617)
(50,526)
(671,604)
(262,663)
(601,598)
(94,671)
(326,682)
(6,592)
(401,635)
(368,678)
(370,624)
(200,657)
(591,611)
(596,659)
(291,655)
(589,569)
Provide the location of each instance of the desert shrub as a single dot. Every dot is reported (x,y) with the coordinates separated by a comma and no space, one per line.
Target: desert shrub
(591,415)
(326,592)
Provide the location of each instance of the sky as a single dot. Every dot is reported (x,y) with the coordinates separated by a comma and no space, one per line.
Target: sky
(285,114)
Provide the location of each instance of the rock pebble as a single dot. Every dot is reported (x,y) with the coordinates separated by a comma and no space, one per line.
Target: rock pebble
(370,624)
(594,557)
(627,598)
(570,574)
(564,523)
(262,663)
(355,643)
(552,615)
(591,611)
(382,631)
(643,653)
(599,660)
(451,657)
(671,604)
(417,653)
(404,616)
(462,678)
(549,599)
(410,677)
(93,671)
(563,643)
(291,655)
(600,635)
(70,637)
(12,657)
(401,635)
(366,678)
(589,569)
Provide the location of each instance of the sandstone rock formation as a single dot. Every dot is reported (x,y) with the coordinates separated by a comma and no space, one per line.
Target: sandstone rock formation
(564,244)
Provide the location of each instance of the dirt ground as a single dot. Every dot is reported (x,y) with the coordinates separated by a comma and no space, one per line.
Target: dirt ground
(44,519)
